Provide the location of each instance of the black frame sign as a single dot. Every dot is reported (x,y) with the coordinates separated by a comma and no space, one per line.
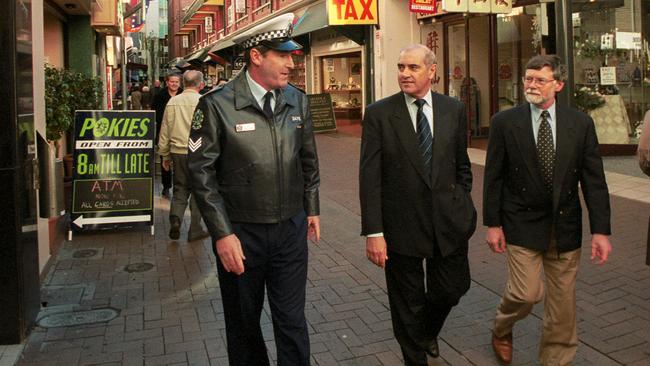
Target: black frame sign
(322,112)
(113,169)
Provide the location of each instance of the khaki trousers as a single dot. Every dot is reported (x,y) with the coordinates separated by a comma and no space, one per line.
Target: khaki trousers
(525,288)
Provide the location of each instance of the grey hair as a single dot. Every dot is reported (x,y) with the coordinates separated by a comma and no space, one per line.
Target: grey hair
(554,62)
(429,55)
(192,78)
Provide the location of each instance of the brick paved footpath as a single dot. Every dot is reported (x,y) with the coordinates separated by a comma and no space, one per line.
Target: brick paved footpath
(172,314)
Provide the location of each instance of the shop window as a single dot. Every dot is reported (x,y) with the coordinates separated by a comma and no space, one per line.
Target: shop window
(611,66)
(521,34)
(297,75)
(342,80)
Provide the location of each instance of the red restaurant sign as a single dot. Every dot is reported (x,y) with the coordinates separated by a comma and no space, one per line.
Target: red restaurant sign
(424,6)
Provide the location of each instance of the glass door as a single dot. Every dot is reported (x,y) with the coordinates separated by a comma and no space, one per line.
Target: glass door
(468,70)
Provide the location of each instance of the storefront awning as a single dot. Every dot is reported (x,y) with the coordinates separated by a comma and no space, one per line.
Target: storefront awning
(314,18)
(222,45)
(198,56)
(218,59)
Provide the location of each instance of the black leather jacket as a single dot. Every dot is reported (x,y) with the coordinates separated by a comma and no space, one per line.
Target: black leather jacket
(246,168)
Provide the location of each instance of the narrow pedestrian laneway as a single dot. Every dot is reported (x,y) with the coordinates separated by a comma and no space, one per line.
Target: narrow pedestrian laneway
(166,298)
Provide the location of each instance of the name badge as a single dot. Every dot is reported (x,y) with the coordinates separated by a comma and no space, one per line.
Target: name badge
(245,127)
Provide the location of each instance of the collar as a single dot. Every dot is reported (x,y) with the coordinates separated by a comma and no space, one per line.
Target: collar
(536,112)
(258,91)
(427,98)
(188,91)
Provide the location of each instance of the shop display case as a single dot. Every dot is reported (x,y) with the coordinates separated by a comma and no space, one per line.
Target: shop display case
(342,80)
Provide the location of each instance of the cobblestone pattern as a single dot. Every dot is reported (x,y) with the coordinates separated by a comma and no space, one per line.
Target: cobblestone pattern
(172,314)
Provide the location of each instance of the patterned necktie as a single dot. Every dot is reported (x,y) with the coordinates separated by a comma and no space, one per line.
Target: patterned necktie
(546,151)
(424,135)
(267,105)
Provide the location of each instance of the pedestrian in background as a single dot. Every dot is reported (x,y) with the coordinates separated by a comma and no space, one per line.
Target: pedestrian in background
(172,147)
(416,209)
(643,155)
(136,97)
(207,87)
(252,158)
(156,89)
(146,97)
(537,154)
(159,103)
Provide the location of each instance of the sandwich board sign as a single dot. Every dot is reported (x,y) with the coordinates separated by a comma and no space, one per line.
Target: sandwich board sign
(112,180)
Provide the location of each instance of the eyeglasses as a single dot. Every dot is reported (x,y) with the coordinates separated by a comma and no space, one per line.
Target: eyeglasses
(539,81)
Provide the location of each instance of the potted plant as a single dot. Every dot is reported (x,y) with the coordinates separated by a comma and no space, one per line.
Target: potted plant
(65,92)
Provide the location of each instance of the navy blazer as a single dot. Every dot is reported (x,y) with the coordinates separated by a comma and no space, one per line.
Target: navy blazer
(514,196)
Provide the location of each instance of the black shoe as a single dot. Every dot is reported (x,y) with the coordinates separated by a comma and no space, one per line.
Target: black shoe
(192,236)
(175,227)
(432,350)
(165,193)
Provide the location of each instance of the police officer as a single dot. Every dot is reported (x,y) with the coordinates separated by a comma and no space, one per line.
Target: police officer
(254,167)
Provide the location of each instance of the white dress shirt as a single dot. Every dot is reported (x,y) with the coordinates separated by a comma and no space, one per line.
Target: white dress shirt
(259,92)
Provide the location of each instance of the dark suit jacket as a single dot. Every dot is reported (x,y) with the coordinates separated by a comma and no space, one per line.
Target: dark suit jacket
(514,195)
(397,197)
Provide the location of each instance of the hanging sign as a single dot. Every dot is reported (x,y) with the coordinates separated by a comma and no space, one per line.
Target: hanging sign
(479,6)
(501,6)
(208,24)
(240,6)
(352,12)
(185,41)
(113,168)
(458,6)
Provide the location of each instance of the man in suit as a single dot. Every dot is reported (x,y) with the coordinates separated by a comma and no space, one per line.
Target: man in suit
(416,208)
(537,154)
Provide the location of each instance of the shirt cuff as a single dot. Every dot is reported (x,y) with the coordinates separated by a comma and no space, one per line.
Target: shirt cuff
(375,235)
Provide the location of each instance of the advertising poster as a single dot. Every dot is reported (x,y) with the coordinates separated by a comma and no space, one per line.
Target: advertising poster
(113,168)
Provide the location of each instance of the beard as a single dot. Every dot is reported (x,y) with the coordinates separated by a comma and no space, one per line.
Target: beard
(535,99)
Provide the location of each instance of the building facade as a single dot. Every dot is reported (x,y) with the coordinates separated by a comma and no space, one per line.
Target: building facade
(481,56)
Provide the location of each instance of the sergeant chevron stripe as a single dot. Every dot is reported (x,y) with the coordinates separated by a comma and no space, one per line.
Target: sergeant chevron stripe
(194,145)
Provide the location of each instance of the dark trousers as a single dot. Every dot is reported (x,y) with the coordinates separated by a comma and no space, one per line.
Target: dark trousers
(276,260)
(166,176)
(420,304)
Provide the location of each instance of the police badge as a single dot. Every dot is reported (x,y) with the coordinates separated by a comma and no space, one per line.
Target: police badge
(197,120)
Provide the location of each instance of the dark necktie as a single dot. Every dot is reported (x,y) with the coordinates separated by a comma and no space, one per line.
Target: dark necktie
(267,105)
(425,138)
(546,151)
